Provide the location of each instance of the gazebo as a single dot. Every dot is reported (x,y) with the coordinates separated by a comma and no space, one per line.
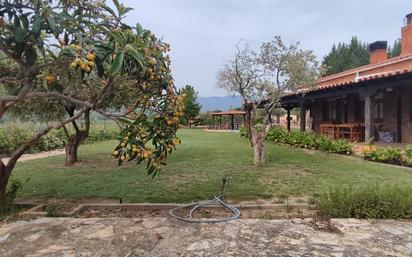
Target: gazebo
(231,114)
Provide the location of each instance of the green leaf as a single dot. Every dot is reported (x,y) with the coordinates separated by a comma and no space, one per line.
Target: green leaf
(151,170)
(36,29)
(139,28)
(52,54)
(125,121)
(134,52)
(117,64)
(126,10)
(68,52)
(118,38)
(19,34)
(110,10)
(25,21)
(31,56)
(53,26)
(117,4)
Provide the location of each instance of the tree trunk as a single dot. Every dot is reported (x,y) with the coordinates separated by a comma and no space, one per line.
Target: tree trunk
(258,153)
(71,148)
(4,179)
(75,140)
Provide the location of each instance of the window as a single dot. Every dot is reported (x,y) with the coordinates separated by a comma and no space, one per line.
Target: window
(330,110)
(378,107)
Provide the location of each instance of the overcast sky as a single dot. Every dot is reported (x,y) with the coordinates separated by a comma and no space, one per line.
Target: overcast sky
(202,33)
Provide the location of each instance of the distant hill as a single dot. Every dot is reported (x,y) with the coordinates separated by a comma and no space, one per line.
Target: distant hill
(222,103)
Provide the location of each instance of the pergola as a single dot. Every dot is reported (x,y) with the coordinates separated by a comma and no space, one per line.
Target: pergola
(231,114)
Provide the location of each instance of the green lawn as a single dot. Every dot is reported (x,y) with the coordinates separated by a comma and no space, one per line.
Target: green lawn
(195,170)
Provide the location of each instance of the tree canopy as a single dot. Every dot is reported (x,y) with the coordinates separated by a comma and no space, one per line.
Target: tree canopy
(262,78)
(191,106)
(346,56)
(81,55)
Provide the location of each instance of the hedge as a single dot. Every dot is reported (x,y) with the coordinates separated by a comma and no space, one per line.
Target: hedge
(306,140)
(14,134)
(367,202)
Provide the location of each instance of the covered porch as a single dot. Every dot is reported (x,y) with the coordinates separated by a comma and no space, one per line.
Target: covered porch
(232,120)
(380,108)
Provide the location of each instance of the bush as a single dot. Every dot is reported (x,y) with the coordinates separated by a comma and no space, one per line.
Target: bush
(53,210)
(367,202)
(243,132)
(14,134)
(101,132)
(386,155)
(308,140)
(11,196)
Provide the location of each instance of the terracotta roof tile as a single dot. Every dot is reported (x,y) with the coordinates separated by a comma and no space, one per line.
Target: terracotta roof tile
(391,67)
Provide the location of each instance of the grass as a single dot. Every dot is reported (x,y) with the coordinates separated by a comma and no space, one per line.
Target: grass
(195,170)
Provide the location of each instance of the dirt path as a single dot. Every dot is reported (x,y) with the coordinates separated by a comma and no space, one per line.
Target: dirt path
(34,156)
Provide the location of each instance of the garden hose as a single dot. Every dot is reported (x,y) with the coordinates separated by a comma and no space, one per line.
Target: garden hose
(217,200)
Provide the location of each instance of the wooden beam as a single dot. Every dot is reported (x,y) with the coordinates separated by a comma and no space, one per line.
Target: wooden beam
(399,117)
(302,117)
(369,117)
(288,119)
(213,121)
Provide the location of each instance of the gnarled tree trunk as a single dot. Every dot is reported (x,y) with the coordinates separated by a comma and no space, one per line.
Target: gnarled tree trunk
(4,179)
(257,135)
(258,153)
(75,140)
(72,147)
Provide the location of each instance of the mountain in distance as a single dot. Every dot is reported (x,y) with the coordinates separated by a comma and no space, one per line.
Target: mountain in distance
(222,103)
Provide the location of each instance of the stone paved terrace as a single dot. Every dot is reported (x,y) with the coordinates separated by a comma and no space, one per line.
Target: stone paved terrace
(168,237)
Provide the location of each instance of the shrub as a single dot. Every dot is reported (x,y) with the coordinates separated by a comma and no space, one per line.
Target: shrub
(53,210)
(13,134)
(386,155)
(11,196)
(408,153)
(367,202)
(243,132)
(309,140)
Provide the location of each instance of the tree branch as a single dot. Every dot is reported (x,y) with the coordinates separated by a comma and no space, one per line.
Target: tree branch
(5,50)
(10,100)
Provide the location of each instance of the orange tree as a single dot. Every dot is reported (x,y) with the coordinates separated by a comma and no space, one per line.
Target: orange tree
(80,57)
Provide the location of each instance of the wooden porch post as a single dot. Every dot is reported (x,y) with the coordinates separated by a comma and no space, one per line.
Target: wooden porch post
(232,122)
(302,117)
(288,118)
(220,122)
(369,117)
(213,121)
(398,116)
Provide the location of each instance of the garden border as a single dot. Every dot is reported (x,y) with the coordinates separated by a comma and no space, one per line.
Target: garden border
(37,211)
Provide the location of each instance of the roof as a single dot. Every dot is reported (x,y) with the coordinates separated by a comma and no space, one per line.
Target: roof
(391,67)
(230,112)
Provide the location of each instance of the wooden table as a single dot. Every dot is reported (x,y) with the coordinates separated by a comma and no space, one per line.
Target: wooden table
(350,131)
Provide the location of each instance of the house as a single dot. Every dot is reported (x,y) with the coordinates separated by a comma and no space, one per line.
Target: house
(370,101)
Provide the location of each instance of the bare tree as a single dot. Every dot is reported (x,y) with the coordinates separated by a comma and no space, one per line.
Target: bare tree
(261,79)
